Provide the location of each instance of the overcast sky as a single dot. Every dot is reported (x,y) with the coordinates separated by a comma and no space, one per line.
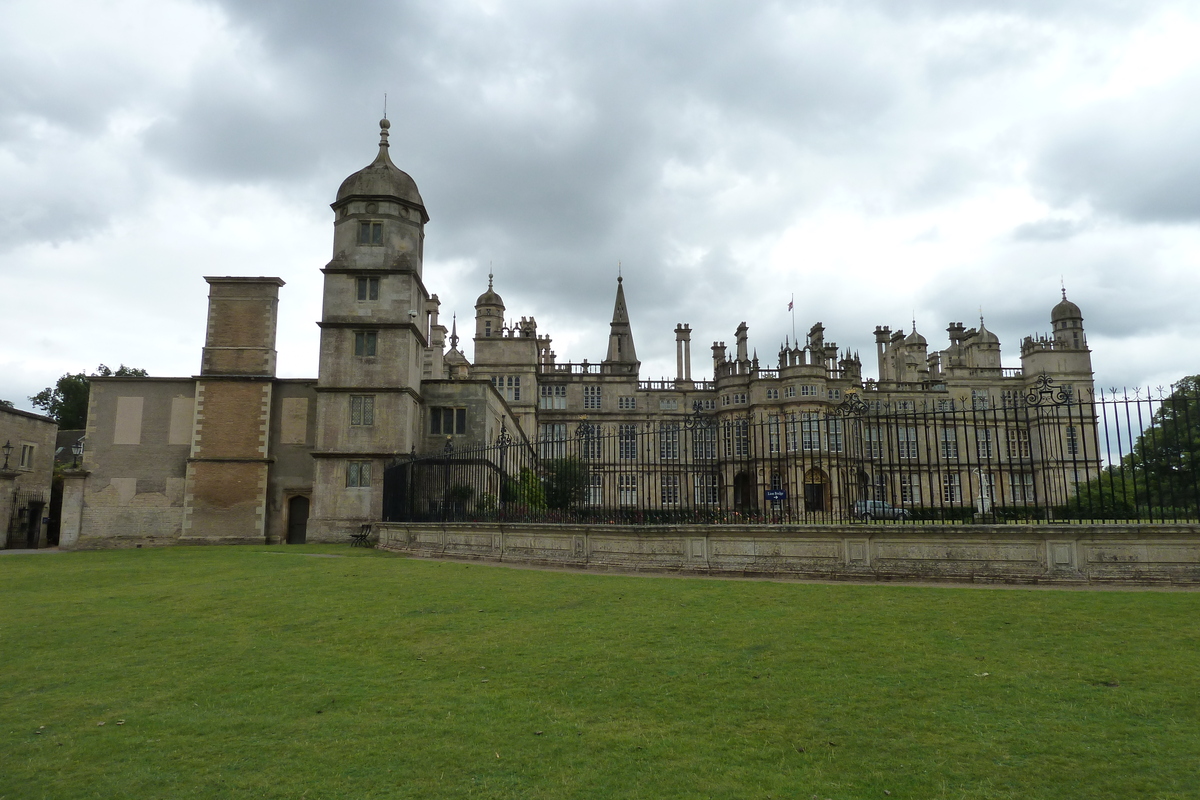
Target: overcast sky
(881,161)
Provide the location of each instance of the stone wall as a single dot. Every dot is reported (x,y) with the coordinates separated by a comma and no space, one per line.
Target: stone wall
(978,553)
(139,435)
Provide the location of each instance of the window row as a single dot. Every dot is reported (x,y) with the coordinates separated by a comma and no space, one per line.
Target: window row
(672,489)
(807,431)
(905,442)
(950,488)
(805,390)
(442,420)
(553,396)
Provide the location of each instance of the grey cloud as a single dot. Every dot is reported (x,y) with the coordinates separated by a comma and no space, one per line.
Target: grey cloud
(1050,229)
(539,137)
(1134,157)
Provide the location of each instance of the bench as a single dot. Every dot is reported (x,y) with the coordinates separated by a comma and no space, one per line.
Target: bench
(362,538)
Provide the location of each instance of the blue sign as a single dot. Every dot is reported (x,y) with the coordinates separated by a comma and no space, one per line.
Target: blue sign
(775,495)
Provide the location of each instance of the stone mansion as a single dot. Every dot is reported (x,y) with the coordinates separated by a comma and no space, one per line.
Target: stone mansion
(235,454)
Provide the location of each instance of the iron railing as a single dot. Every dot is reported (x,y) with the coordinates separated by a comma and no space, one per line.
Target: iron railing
(1046,455)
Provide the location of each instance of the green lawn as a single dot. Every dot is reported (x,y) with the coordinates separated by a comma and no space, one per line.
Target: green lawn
(261,672)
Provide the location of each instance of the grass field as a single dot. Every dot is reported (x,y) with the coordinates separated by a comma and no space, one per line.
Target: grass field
(262,672)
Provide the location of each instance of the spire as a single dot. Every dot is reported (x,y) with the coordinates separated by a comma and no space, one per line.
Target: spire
(620,313)
(622,357)
(383,135)
(454,332)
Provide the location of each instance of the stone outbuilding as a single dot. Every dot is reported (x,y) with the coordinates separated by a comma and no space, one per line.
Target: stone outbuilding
(26,476)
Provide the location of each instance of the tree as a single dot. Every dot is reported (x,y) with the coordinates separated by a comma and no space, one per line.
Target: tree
(6,403)
(526,490)
(566,482)
(1161,473)
(67,402)
(1167,454)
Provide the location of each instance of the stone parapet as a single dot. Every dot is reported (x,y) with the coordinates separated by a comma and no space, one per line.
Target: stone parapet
(1054,554)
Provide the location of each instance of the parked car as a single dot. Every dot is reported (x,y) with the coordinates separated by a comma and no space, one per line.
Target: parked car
(867,510)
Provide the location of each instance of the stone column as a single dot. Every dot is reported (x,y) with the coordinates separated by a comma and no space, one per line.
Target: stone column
(679,352)
(683,356)
(71,516)
(8,479)
(687,353)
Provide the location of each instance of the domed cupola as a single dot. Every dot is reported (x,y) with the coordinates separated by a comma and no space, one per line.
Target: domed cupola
(1066,320)
(1065,310)
(984,336)
(382,180)
(490,298)
(489,313)
(915,339)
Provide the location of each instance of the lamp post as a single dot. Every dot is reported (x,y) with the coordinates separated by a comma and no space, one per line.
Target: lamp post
(77,450)
(8,448)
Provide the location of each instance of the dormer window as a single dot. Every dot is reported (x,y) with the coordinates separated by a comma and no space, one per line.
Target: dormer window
(370,233)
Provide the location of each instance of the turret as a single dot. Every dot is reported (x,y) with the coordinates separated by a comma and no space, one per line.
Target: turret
(1067,322)
(380,216)
(1064,353)
(489,313)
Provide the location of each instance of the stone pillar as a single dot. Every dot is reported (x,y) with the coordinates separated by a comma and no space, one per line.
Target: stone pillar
(71,516)
(679,352)
(683,356)
(8,478)
(687,353)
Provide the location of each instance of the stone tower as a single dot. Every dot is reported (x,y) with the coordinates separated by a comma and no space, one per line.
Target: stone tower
(375,323)
(1064,353)
(225,490)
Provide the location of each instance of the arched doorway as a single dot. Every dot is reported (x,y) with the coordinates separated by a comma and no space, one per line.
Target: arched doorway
(816,490)
(297,526)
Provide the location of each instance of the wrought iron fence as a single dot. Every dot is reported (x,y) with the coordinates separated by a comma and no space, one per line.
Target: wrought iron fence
(24,524)
(1045,455)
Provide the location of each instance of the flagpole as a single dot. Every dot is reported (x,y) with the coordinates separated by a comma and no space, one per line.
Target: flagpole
(792,308)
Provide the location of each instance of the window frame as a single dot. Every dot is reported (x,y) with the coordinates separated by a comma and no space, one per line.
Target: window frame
(366,343)
(438,417)
(593,397)
(370,233)
(366,288)
(362,410)
(358,474)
